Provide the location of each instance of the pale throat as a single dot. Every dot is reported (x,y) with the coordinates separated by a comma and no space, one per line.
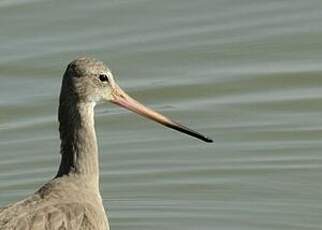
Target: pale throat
(79,153)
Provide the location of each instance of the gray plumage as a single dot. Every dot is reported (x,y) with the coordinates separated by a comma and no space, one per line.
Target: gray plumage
(71,200)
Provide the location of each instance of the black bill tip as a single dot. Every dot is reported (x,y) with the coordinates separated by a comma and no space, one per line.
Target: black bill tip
(190,132)
(207,139)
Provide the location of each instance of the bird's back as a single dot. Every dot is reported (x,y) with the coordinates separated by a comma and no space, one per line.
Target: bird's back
(57,205)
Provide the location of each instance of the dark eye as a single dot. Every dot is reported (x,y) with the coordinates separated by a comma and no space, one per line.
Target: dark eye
(103,78)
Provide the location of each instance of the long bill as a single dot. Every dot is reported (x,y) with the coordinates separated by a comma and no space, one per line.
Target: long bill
(123,99)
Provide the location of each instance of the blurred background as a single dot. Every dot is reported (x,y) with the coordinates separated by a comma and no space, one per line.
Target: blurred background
(247,73)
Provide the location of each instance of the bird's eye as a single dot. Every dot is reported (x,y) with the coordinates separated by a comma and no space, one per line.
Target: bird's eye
(103,78)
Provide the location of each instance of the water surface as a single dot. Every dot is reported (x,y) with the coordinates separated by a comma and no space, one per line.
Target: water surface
(247,73)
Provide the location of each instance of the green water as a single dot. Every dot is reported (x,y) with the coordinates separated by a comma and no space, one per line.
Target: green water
(247,73)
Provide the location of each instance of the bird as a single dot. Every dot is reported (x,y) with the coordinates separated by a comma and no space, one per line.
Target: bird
(71,199)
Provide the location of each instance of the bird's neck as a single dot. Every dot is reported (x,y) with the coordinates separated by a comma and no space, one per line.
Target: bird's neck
(79,155)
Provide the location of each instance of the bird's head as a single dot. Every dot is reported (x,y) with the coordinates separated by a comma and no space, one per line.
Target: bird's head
(91,81)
